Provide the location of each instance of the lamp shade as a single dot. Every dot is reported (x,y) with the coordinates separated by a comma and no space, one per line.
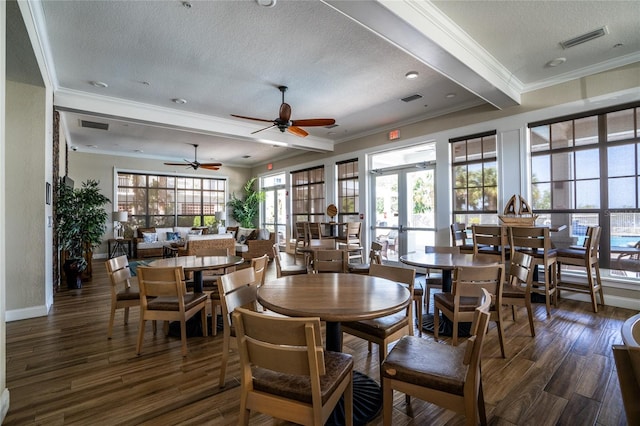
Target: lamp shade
(121,216)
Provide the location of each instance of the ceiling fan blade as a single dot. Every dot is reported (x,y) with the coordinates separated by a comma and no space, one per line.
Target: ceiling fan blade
(310,122)
(285,112)
(268,127)
(297,131)
(210,166)
(177,164)
(252,118)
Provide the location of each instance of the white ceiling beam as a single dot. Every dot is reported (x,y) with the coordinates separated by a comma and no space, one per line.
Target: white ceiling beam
(423,31)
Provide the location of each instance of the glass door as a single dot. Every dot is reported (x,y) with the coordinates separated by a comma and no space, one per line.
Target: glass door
(274,212)
(404,201)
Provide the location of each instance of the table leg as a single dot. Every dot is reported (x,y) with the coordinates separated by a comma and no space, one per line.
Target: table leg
(367,395)
(197,282)
(446,326)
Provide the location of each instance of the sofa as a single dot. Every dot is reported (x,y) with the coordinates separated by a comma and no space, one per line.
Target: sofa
(150,242)
(252,242)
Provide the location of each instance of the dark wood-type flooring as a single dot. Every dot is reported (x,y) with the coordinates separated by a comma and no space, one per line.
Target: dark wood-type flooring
(62,369)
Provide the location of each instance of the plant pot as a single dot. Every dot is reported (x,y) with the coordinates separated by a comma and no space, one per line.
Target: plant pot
(72,274)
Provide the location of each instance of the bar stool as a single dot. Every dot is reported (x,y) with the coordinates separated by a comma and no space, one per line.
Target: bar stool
(586,257)
(535,241)
(460,239)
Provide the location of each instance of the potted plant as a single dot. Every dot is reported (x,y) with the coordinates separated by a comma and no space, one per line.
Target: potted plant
(245,211)
(80,223)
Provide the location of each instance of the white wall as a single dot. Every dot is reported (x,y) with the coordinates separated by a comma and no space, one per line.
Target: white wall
(4,392)
(28,270)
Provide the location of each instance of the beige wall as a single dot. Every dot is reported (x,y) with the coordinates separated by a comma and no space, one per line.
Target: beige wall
(83,166)
(4,392)
(26,213)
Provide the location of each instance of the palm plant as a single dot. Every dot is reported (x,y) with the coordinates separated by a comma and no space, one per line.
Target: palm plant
(245,211)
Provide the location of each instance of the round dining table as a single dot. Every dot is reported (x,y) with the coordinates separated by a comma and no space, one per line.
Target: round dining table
(335,298)
(197,264)
(446,262)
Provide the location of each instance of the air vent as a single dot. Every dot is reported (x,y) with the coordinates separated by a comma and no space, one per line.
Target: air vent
(411,98)
(332,126)
(584,37)
(94,125)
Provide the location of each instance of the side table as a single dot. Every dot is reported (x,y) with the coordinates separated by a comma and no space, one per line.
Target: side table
(120,246)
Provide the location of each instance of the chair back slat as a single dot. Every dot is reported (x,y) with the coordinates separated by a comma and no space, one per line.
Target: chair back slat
(161,282)
(330,261)
(285,345)
(237,289)
(259,265)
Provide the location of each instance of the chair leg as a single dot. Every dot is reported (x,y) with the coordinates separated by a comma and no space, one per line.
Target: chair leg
(126,315)
(225,358)
(547,294)
(244,411)
(183,336)
(140,335)
(530,314)
(599,283)
(436,322)
(592,289)
(419,316)
(203,317)
(481,408)
(501,336)
(348,402)
(387,402)
(111,320)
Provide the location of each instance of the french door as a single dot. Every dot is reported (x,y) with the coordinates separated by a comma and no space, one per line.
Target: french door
(274,211)
(404,206)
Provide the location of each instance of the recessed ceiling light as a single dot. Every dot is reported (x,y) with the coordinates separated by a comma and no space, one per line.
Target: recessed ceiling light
(615,46)
(450,95)
(186,4)
(145,83)
(100,84)
(179,101)
(557,61)
(246,156)
(266,3)
(138,150)
(411,75)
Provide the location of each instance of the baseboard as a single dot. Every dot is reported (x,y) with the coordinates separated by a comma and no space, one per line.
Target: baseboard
(26,313)
(4,404)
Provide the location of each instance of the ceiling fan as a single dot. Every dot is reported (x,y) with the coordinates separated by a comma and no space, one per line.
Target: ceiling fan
(283,121)
(195,164)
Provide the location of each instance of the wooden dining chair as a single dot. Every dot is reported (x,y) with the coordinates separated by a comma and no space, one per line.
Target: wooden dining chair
(301,239)
(448,376)
(517,289)
(163,297)
(536,242)
(588,259)
(330,261)
(491,240)
(375,256)
(286,373)
(390,328)
(259,265)
(237,289)
(460,239)
(285,270)
(351,241)
(210,280)
(433,279)
(459,305)
(123,295)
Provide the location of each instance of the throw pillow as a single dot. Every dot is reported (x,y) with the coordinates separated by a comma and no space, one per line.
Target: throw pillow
(150,237)
(264,234)
(242,239)
(222,230)
(195,232)
(173,236)
(253,235)
(243,231)
(143,230)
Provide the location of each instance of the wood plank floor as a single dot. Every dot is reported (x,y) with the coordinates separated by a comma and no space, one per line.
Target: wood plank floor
(62,369)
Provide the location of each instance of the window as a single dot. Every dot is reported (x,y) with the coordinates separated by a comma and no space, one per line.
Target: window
(348,191)
(586,171)
(166,201)
(307,187)
(475,178)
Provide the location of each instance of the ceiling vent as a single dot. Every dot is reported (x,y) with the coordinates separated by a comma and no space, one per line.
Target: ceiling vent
(94,125)
(411,98)
(332,126)
(584,37)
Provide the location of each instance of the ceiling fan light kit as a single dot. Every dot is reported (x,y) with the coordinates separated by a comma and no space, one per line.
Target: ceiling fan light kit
(284,122)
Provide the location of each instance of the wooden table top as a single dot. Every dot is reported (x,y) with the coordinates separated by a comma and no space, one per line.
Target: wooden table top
(334,297)
(446,261)
(198,263)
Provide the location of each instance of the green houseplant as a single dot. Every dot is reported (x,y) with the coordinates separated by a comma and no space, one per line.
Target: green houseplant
(245,210)
(80,222)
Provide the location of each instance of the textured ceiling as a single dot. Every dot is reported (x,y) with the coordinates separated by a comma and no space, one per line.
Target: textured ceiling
(340,59)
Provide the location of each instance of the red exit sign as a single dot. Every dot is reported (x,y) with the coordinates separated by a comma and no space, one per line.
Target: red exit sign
(394,134)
